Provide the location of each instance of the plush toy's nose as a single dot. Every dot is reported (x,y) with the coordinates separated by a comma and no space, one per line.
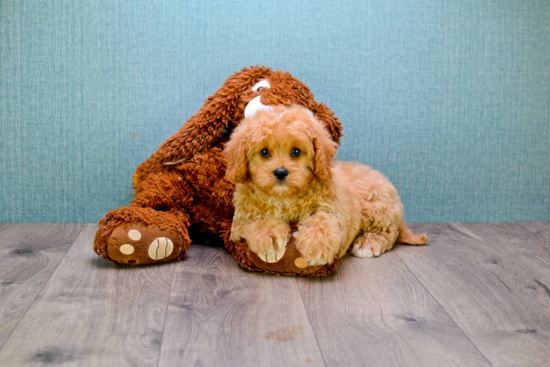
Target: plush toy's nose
(280,173)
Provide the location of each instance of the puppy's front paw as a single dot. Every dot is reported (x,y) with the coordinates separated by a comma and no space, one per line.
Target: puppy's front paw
(315,247)
(269,244)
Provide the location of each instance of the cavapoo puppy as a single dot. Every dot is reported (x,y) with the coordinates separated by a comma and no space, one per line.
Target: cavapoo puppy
(282,162)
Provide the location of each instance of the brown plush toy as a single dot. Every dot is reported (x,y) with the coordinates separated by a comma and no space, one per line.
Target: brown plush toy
(182,189)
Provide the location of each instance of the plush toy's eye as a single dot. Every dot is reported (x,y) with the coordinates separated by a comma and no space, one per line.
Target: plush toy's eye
(261,84)
(296,152)
(264,153)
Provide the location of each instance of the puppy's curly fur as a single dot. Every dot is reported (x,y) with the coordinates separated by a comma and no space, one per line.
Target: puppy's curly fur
(282,162)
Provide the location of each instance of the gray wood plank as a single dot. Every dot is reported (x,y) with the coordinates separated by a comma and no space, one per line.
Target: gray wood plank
(375,312)
(518,244)
(93,313)
(29,254)
(222,315)
(497,303)
(539,231)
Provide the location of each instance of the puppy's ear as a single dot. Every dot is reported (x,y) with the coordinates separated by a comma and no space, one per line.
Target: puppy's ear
(235,154)
(325,151)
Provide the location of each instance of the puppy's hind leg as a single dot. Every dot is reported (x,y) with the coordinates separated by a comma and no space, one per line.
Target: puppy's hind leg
(371,244)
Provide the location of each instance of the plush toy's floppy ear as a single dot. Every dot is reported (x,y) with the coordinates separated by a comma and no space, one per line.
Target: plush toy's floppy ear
(204,127)
(325,151)
(235,155)
(331,123)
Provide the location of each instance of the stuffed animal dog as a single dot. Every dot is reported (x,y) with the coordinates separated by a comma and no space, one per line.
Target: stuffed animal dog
(181,193)
(282,161)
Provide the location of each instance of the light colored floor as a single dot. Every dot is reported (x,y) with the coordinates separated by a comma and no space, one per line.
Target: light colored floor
(476,295)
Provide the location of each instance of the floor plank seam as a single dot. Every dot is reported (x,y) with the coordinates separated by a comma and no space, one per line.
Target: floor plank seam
(310,323)
(166,311)
(41,288)
(443,308)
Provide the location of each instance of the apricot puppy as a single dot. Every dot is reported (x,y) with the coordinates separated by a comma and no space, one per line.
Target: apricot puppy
(282,162)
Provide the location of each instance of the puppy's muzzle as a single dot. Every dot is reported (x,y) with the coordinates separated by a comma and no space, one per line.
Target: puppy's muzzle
(280,173)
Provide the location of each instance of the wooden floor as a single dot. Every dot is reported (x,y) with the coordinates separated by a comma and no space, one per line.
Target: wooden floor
(475,295)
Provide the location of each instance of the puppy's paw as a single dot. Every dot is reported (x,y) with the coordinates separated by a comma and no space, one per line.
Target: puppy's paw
(316,248)
(269,249)
(370,245)
(268,243)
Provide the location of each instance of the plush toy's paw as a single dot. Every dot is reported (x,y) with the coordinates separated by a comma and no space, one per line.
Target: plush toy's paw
(292,262)
(269,249)
(266,238)
(270,246)
(316,248)
(138,244)
(370,245)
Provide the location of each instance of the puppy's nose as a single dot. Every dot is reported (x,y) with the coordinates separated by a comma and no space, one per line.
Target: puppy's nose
(281,173)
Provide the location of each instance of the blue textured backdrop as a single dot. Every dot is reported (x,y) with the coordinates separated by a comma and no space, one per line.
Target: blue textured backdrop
(450,99)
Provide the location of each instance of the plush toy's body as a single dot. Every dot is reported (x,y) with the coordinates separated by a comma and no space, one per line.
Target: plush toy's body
(182,186)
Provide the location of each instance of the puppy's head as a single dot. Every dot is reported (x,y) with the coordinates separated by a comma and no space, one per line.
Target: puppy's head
(280,150)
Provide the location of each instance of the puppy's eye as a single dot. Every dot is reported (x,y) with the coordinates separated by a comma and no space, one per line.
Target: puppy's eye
(296,152)
(264,153)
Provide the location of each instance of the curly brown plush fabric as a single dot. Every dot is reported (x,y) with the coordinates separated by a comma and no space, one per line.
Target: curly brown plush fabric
(183,183)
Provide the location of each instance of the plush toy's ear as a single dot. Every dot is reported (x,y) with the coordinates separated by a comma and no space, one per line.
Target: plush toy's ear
(325,151)
(331,123)
(235,155)
(205,127)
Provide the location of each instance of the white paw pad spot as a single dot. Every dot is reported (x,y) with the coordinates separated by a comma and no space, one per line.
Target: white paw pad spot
(161,248)
(127,249)
(273,257)
(134,234)
(296,234)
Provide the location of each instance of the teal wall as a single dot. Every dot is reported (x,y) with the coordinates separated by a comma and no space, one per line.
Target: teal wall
(449,98)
